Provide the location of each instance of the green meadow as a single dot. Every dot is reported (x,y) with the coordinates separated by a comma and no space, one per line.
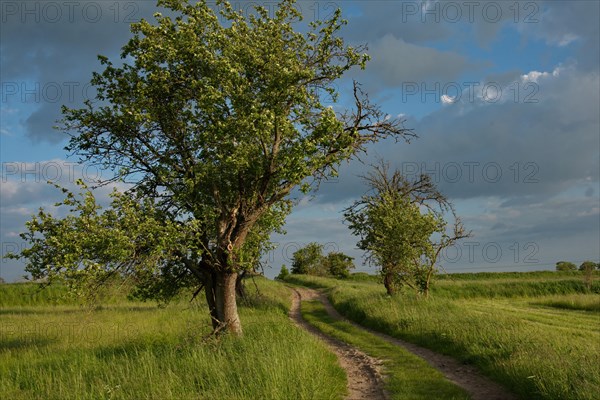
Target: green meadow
(537,334)
(52,348)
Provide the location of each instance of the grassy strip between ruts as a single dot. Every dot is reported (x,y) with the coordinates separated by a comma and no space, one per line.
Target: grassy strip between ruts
(406,375)
(537,351)
(133,350)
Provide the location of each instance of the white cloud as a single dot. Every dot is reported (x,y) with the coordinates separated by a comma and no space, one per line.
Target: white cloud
(567,39)
(447,99)
(22,211)
(8,188)
(534,76)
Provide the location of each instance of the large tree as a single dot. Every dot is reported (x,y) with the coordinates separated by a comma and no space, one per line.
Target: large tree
(402,227)
(214,123)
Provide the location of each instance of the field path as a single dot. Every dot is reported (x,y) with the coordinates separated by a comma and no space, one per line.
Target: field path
(465,376)
(364,380)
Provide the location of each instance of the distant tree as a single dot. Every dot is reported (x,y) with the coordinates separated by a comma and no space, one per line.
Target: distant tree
(284,273)
(401,227)
(2,280)
(338,264)
(308,260)
(589,266)
(565,266)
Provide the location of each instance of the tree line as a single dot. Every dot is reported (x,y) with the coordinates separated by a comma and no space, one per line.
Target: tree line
(569,266)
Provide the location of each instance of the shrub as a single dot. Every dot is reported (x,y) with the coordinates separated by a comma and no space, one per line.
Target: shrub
(284,273)
(565,266)
(338,264)
(589,266)
(308,260)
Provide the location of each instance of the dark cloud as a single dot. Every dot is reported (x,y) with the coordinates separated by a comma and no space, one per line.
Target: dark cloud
(589,192)
(49,50)
(570,23)
(450,22)
(377,19)
(394,62)
(511,148)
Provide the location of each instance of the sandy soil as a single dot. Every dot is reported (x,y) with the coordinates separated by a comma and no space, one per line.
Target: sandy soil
(465,376)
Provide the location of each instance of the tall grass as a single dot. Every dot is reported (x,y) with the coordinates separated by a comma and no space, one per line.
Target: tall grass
(507,288)
(134,350)
(537,351)
(572,302)
(31,294)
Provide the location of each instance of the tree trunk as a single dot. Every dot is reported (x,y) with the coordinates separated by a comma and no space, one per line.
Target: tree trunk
(428,283)
(240,286)
(388,282)
(220,290)
(226,303)
(210,284)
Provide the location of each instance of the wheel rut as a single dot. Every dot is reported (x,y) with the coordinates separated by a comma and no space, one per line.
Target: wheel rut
(468,377)
(364,379)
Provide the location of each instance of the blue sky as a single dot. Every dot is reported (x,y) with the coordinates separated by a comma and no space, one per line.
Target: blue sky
(503,95)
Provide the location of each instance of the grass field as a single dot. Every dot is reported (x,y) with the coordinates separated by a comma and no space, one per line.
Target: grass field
(536,333)
(51,348)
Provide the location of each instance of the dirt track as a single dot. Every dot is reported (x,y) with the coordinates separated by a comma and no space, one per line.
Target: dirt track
(364,378)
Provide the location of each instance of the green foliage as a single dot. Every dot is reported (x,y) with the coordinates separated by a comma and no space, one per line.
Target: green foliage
(589,266)
(511,288)
(512,276)
(363,277)
(90,245)
(308,260)
(283,274)
(338,264)
(565,266)
(396,223)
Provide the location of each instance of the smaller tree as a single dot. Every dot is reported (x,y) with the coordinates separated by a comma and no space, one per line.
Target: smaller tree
(589,266)
(401,227)
(2,280)
(308,260)
(565,266)
(338,264)
(283,273)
